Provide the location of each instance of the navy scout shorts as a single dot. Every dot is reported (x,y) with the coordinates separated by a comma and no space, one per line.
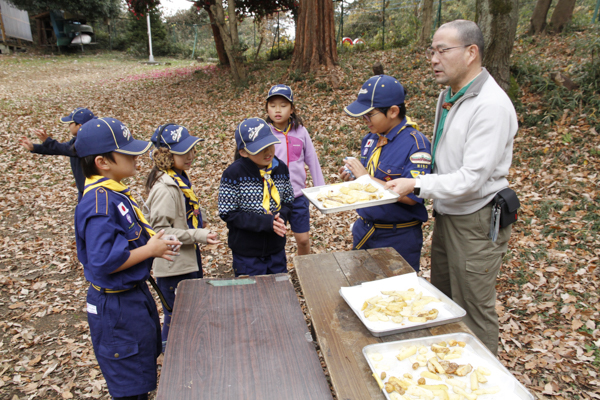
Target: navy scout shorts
(300,218)
(273,264)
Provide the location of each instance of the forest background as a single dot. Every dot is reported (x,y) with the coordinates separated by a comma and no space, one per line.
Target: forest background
(548,290)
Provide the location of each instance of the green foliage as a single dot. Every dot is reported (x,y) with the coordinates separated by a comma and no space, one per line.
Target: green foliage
(90,9)
(283,52)
(532,70)
(135,41)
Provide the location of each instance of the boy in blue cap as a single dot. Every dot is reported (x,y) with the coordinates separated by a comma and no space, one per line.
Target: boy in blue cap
(255,200)
(394,149)
(49,146)
(116,246)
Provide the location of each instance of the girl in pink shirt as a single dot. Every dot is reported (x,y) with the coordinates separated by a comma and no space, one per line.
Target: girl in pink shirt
(296,150)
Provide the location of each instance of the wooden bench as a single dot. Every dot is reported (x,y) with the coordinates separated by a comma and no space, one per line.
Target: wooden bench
(339,332)
(239,339)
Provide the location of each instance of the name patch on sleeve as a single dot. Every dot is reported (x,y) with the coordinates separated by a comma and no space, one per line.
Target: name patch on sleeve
(420,158)
(91,309)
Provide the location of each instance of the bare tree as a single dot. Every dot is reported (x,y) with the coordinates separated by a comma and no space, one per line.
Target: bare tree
(427,21)
(315,36)
(231,40)
(561,15)
(497,20)
(537,23)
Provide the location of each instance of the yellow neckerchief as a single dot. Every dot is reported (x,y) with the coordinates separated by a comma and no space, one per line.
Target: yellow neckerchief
(269,189)
(374,159)
(96,181)
(188,192)
(286,130)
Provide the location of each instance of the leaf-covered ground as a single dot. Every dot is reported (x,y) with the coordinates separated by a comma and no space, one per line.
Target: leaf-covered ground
(548,288)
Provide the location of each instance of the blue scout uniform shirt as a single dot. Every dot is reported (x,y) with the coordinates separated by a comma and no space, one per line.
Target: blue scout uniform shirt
(406,155)
(106,229)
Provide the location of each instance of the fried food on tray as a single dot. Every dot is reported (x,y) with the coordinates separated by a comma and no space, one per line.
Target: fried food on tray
(442,372)
(349,194)
(399,305)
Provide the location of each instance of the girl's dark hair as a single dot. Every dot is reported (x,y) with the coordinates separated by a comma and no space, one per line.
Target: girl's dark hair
(88,163)
(153,176)
(236,155)
(296,120)
(401,114)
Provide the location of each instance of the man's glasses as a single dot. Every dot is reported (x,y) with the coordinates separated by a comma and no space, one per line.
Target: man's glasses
(368,117)
(431,51)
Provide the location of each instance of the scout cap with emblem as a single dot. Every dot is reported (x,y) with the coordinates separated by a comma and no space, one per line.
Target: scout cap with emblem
(378,91)
(79,116)
(174,137)
(281,90)
(103,135)
(254,135)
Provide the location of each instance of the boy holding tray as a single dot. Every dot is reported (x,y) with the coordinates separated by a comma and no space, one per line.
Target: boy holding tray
(394,148)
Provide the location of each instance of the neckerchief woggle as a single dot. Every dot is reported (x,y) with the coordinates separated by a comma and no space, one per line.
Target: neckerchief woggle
(383,140)
(96,181)
(188,192)
(269,189)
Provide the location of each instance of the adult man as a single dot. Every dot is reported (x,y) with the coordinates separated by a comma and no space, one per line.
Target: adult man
(475,124)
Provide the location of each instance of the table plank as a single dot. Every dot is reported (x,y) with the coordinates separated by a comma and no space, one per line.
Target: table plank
(340,333)
(240,342)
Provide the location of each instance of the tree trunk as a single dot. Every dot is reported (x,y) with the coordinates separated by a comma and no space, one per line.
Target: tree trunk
(537,24)
(223,60)
(497,20)
(229,34)
(315,37)
(427,21)
(561,15)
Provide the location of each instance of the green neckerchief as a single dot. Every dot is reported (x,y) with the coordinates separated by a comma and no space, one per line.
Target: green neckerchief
(448,102)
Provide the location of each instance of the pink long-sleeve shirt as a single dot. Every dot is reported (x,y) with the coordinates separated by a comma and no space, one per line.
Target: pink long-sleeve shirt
(296,149)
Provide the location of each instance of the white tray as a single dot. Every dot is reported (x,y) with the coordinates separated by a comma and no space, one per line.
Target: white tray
(355,296)
(475,353)
(389,196)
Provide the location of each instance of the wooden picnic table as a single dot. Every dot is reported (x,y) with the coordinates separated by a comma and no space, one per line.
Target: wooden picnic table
(339,332)
(241,338)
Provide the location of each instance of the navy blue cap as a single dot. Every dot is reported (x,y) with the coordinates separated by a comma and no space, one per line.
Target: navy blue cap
(103,135)
(281,90)
(378,91)
(174,137)
(254,135)
(79,116)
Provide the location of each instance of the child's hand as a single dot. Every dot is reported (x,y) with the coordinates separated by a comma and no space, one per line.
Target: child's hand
(25,142)
(213,238)
(41,133)
(355,167)
(163,248)
(279,226)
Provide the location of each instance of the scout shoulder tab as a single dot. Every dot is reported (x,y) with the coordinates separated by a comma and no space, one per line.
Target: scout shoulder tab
(101,200)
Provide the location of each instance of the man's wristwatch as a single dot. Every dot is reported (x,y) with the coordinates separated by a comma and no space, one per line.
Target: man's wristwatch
(417,189)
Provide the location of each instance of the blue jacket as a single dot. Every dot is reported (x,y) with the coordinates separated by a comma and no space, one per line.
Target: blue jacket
(240,206)
(406,155)
(106,230)
(55,148)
